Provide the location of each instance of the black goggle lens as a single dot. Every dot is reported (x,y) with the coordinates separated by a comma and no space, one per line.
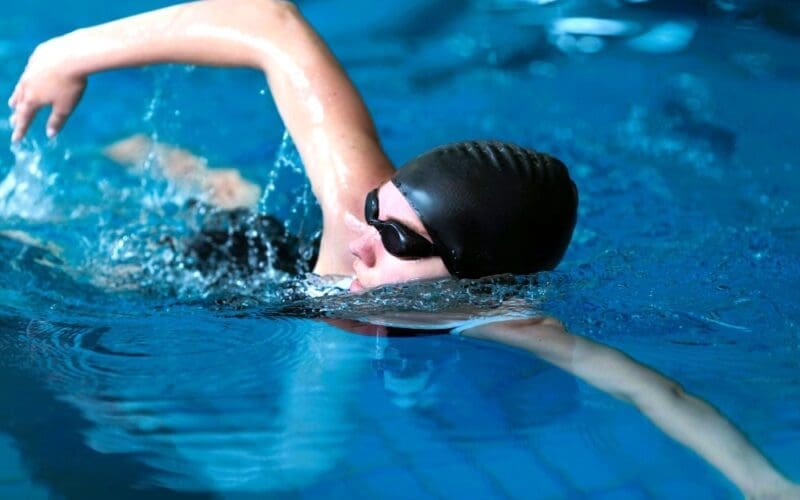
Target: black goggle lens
(397,238)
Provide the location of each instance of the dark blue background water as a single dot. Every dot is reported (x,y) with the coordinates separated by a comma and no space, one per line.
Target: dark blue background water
(681,132)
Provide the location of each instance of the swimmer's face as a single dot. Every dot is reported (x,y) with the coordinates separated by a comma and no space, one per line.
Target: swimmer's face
(373,264)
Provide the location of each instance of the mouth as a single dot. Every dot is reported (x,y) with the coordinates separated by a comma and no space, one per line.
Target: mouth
(356,286)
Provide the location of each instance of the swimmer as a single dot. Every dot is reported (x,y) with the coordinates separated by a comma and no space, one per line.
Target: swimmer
(463,210)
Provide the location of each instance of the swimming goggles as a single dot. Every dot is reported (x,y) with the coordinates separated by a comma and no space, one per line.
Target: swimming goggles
(397,238)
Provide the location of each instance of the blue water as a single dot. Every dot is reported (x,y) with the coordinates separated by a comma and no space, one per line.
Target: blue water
(124,377)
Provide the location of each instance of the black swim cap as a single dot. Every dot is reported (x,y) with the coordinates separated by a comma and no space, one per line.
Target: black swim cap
(492,207)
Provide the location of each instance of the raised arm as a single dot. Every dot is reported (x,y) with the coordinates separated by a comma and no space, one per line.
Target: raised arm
(684,417)
(320,106)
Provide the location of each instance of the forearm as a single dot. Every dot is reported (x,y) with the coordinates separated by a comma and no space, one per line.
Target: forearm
(314,96)
(214,32)
(686,418)
(699,426)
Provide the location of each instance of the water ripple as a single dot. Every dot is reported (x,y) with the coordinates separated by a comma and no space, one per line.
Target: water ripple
(214,394)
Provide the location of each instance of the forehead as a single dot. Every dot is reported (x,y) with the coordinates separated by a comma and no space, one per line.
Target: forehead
(393,205)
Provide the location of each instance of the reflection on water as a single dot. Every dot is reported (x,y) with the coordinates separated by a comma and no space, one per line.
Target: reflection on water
(274,423)
(270,404)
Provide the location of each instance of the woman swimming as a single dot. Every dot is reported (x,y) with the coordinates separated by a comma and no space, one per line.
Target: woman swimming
(464,210)
(467,210)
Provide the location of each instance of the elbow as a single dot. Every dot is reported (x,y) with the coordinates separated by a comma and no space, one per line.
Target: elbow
(278,10)
(277,22)
(675,391)
(650,400)
(273,12)
(284,21)
(285,8)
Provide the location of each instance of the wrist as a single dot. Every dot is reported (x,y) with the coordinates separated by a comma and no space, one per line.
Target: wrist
(85,51)
(61,54)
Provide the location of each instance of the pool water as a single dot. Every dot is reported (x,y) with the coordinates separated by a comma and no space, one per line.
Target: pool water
(124,376)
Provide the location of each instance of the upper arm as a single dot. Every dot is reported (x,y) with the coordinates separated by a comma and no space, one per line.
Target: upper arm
(332,129)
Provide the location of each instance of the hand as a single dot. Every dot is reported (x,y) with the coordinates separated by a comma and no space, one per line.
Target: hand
(45,81)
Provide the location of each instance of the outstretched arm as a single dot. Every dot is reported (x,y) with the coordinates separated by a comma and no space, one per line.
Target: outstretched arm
(320,106)
(684,417)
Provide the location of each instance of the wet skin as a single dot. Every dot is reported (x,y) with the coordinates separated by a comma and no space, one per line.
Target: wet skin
(373,265)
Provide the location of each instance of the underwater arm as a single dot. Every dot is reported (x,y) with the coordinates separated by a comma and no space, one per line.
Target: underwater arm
(686,418)
(323,111)
(219,187)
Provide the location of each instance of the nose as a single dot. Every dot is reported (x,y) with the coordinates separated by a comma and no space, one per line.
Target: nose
(363,247)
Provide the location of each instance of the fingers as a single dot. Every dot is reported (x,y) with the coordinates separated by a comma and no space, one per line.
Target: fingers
(22,115)
(56,121)
(15,95)
(21,120)
(25,107)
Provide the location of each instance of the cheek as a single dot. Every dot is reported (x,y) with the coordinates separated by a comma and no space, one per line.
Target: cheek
(390,269)
(387,268)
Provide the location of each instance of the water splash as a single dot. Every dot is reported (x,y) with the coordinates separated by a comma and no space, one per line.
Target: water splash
(24,192)
(437,304)
(297,207)
(174,244)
